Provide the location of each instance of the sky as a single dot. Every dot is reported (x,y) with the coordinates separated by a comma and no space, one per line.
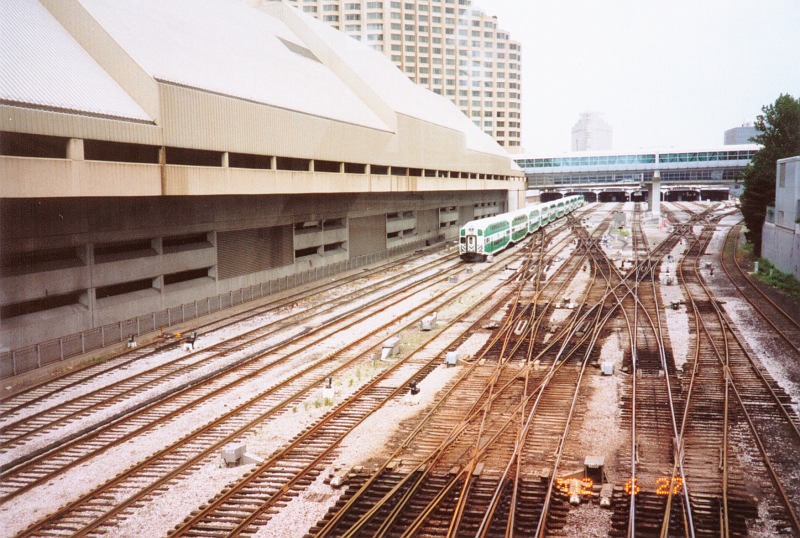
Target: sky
(662,73)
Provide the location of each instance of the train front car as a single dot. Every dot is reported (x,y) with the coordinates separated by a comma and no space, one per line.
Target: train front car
(479,238)
(468,246)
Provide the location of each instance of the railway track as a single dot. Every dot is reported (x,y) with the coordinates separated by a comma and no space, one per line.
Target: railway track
(498,451)
(781,322)
(38,395)
(250,352)
(212,443)
(471,445)
(728,393)
(305,455)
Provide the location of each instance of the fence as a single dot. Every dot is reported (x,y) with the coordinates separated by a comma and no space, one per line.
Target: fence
(35,356)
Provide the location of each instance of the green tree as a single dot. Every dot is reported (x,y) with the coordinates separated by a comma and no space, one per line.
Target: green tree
(779,133)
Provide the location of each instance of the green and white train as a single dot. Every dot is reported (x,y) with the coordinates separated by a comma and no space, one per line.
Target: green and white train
(479,238)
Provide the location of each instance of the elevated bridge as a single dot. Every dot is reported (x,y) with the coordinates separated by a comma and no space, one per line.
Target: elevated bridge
(698,174)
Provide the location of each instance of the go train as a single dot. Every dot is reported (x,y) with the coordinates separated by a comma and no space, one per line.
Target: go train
(479,238)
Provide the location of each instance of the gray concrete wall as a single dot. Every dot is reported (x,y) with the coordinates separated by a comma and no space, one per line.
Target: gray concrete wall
(782,248)
(87,223)
(780,237)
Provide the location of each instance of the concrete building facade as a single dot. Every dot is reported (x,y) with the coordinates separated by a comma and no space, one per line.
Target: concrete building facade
(591,132)
(446,46)
(780,237)
(152,171)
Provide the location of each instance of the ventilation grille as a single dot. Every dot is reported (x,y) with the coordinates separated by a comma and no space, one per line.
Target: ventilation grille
(242,252)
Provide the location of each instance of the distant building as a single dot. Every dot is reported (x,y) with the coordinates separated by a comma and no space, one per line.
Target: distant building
(591,133)
(740,135)
(445,46)
(780,237)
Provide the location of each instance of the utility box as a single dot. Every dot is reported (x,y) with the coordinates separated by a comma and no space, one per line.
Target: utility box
(593,468)
(607,368)
(391,347)
(232,453)
(428,323)
(451,358)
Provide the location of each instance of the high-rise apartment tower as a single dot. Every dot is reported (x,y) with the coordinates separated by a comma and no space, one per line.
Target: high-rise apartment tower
(446,46)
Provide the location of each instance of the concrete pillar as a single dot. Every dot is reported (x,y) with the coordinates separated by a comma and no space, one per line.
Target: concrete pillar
(89,297)
(273,163)
(75,149)
(654,192)
(226,159)
(162,163)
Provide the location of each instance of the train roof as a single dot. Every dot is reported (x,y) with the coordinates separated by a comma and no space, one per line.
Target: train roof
(503,217)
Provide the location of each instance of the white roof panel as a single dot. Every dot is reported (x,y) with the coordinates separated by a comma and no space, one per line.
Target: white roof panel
(228,47)
(42,65)
(399,92)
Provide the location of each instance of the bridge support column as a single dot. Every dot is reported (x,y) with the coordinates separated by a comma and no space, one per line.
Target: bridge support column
(654,193)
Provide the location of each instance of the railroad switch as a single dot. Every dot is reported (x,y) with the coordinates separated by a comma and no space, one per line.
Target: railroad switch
(478,469)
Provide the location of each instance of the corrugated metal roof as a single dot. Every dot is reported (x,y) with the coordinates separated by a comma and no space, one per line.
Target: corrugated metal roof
(399,92)
(228,47)
(43,66)
(222,46)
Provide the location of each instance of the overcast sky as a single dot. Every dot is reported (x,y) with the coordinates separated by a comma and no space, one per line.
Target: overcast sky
(661,73)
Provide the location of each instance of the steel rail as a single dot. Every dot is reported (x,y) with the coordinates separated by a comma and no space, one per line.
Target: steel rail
(756,436)
(462,499)
(265,504)
(483,448)
(541,526)
(298,440)
(171,370)
(426,465)
(125,358)
(723,359)
(523,429)
(753,286)
(184,466)
(31,462)
(636,272)
(353,529)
